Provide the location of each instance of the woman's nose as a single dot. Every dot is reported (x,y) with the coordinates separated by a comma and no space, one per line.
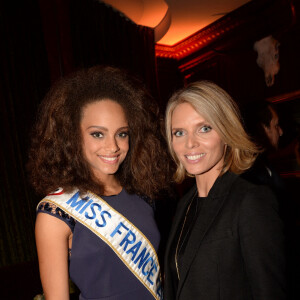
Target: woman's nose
(112,145)
(192,142)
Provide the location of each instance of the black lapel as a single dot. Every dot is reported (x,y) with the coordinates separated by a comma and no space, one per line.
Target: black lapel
(210,209)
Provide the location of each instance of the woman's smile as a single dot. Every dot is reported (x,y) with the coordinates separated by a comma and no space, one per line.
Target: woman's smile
(194,157)
(110,159)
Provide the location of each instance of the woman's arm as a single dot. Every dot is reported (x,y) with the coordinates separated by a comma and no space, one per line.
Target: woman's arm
(263,244)
(52,236)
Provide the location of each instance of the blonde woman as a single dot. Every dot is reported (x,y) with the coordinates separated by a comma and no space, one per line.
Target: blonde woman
(226,240)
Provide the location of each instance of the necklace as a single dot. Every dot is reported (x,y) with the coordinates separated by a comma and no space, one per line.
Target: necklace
(177,246)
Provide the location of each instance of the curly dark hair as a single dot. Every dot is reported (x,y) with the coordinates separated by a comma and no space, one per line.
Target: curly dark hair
(56,156)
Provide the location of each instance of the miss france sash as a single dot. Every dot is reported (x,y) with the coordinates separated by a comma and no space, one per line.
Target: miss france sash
(129,244)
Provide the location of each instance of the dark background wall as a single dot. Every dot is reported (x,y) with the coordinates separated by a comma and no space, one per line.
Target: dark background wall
(229,58)
(44,40)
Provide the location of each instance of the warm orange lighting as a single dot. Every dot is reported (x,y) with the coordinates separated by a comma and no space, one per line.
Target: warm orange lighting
(197,41)
(142,12)
(188,17)
(185,18)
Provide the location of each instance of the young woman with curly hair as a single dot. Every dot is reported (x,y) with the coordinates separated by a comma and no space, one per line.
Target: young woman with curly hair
(226,240)
(98,154)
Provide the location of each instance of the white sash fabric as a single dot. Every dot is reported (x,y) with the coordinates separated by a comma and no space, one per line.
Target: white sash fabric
(129,244)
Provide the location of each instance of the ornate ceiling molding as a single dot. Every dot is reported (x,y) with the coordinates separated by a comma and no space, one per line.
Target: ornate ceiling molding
(255,16)
(198,40)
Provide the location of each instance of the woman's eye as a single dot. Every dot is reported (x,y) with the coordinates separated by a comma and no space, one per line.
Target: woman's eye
(97,134)
(178,133)
(205,128)
(123,134)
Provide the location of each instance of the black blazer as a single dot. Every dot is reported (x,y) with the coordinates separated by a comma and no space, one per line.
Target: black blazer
(236,248)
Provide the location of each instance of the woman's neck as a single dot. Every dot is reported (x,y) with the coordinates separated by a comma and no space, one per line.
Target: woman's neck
(112,190)
(206,181)
(111,185)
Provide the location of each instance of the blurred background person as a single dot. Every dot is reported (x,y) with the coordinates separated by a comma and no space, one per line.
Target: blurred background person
(262,123)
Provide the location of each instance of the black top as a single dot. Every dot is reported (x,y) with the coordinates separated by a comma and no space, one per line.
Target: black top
(183,235)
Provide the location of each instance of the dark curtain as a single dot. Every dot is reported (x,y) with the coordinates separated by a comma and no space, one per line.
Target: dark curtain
(24,77)
(42,40)
(100,35)
(83,33)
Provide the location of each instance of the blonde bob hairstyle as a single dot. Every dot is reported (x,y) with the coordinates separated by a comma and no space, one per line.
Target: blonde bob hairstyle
(223,115)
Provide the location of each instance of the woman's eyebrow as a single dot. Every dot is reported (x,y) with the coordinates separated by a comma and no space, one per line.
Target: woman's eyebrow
(98,127)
